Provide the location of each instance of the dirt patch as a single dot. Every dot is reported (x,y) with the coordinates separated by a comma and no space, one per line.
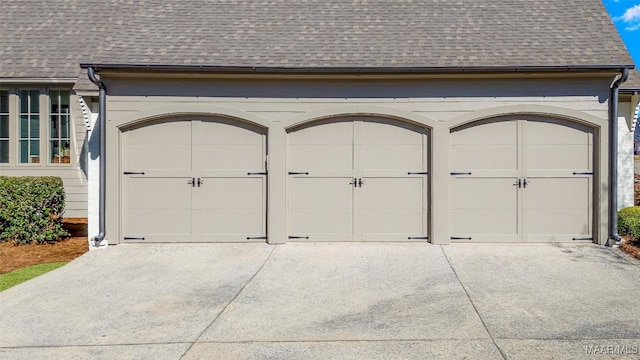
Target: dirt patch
(14,257)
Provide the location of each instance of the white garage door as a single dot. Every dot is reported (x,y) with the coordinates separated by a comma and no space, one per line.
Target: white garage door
(526,180)
(358,179)
(194,181)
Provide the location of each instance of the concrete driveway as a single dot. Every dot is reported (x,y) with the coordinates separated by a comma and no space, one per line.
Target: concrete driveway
(319,301)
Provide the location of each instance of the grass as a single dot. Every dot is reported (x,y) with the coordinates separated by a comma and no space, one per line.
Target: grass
(27,273)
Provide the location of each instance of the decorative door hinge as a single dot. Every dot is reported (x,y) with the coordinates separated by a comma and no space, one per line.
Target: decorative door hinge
(585,238)
(256,238)
(298,173)
(460,238)
(460,173)
(133,238)
(257,173)
(418,238)
(298,237)
(418,173)
(134,172)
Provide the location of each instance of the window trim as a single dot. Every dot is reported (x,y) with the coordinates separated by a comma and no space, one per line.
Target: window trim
(44,103)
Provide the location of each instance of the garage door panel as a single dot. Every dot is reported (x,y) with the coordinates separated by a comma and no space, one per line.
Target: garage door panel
(484,193)
(311,157)
(474,222)
(336,132)
(158,157)
(487,133)
(320,193)
(390,132)
(145,193)
(558,193)
(572,222)
(231,156)
(392,156)
(472,157)
(322,224)
(162,133)
(556,132)
(392,221)
(573,157)
(392,193)
(166,224)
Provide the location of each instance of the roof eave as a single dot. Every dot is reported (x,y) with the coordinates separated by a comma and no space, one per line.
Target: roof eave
(350,70)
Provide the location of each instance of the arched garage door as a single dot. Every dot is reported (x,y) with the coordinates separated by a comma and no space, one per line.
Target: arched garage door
(193,180)
(522,180)
(358,179)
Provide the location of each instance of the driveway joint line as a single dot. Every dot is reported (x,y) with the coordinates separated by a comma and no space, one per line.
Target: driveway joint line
(230,302)
(504,356)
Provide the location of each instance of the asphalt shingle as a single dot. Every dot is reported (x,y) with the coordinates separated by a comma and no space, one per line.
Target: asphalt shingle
(49,38)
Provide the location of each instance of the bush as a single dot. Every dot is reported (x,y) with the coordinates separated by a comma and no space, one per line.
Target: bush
(629,221)
(31,209)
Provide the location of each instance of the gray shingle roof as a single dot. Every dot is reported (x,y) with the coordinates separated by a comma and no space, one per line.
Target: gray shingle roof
(49,38)
(633,82)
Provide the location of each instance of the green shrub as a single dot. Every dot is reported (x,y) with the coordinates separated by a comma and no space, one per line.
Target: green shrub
(31,209)
(629,221)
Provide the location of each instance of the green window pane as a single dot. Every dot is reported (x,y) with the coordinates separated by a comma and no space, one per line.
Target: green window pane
(54,126)
(35,105)
(64,126)
(24,101)
(64,100)
(4,151)
(24,126)
(55,101)
(34,147)
(4,126)
(34,129)
(4,102)
(24,151)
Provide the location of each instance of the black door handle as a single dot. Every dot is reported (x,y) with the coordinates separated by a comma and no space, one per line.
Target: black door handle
(192,182)
(200,182)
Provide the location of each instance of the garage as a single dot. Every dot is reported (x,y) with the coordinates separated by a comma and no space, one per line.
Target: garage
(358,179)
(193,180)
(524,179)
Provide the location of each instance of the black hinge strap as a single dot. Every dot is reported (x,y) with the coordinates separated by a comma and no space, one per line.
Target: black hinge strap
(418,173)
(134,172)
(133,238)
(256,238)
(460,238)
(298,173)
(460,173)
(418,238)
(257,173)
(298,237)
(583,173)
(586,238)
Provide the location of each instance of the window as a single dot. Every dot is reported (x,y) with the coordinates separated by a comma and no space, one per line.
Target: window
(59,128)
(4,126)
(29,125)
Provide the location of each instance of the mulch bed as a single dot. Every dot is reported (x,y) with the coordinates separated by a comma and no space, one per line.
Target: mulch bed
(13,257)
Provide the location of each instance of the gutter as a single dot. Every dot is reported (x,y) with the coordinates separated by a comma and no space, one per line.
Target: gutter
(614,237)
(103,151)
(351,70)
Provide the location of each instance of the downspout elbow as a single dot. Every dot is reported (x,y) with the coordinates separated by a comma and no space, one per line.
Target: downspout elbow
(102,149)
(614,237)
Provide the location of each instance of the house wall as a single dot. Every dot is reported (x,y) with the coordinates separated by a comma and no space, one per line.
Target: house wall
(626,167)
(73,175)
(439,104)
